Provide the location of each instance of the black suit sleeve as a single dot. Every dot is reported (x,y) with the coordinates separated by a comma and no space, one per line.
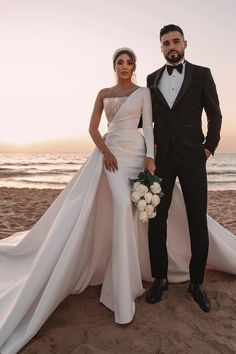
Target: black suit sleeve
(149,81)
(212,109)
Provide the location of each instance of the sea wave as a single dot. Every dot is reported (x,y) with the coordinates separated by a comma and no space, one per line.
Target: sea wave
(26,181)
(221,181)
(9,173)
(55,170)
(222,172)
(38,163)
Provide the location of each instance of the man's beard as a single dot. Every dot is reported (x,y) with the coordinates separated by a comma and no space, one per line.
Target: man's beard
(174,58)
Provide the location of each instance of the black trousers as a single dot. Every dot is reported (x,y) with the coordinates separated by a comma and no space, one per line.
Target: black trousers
(191,172)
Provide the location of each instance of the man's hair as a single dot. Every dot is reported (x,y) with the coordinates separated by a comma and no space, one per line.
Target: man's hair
(170,28)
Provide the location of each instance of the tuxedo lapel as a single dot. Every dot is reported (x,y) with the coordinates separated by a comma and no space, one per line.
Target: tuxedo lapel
(187,80)
(158,76)
(155,86)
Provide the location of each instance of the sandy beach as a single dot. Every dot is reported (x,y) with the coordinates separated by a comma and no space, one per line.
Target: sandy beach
(176,325)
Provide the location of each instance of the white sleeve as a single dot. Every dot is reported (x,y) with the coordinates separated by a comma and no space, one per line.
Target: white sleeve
(147,123)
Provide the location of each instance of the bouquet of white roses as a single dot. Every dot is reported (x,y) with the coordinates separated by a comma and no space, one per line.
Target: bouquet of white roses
(146,194)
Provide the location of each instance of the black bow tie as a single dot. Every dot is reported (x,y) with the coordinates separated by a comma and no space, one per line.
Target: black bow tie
(178,67)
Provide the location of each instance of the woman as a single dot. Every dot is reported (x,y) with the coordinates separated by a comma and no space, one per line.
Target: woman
(123,153)
(89,234)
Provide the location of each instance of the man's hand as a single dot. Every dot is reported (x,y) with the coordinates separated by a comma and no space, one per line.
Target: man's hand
(207,153)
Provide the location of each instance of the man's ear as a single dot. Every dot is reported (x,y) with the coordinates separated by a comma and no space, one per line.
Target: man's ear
(185,43)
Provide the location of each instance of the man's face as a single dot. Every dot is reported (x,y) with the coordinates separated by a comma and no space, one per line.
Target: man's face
(173,46)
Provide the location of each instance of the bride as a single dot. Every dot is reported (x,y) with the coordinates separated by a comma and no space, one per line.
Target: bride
(91,234)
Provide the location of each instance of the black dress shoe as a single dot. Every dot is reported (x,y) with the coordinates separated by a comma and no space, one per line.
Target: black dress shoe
(154,293)
(199,295)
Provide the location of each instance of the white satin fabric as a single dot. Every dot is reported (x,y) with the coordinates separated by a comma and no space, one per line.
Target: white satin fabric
(90,235)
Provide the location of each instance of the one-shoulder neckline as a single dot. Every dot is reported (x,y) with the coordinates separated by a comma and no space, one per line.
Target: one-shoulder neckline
(105,98)
(124,96)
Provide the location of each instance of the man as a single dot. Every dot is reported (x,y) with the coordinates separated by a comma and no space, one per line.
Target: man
(180,91)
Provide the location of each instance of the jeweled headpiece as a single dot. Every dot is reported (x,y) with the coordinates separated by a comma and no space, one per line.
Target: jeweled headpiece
(124,50)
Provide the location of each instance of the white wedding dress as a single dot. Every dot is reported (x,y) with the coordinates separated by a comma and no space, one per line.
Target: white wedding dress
(91,235)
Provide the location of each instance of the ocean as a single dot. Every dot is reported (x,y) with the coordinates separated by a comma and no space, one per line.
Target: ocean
(54,170)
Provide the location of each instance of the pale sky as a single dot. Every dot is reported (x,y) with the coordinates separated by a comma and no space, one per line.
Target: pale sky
(57,54)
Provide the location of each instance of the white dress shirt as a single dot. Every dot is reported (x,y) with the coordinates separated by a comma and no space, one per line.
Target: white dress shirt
(169,85)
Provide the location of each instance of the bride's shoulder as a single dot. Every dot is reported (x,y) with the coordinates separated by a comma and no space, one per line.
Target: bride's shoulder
(106,92)
(145,90)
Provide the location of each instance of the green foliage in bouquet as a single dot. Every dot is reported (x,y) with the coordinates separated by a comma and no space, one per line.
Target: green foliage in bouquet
(147,179)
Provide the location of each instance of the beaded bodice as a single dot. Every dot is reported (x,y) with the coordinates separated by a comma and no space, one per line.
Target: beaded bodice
(112,106)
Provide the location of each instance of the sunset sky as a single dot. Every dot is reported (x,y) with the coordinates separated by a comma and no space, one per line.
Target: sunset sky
(57,54)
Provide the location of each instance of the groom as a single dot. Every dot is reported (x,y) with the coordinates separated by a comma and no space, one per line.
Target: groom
(180,91)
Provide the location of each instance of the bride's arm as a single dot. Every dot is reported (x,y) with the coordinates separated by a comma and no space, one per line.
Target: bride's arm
(109,159)
(148,131)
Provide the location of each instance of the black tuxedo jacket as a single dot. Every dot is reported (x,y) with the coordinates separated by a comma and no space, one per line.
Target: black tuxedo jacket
(181,125)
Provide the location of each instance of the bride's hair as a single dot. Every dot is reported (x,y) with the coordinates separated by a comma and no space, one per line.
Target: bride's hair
(124,50)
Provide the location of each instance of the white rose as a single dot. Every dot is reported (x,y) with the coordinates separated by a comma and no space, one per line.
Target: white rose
(155,200)
(143,216)
(142,205)
(150,210)
(141,190)
(135,185)
(135,197)
(153,215)
(148,197)
(155,187)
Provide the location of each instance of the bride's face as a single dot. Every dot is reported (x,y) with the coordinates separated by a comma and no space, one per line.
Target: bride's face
(124,66)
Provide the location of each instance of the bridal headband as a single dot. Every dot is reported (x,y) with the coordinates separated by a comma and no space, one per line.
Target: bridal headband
(123,50)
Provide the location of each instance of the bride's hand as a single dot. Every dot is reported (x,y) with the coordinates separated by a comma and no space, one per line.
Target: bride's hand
(110,161)
(149,164)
